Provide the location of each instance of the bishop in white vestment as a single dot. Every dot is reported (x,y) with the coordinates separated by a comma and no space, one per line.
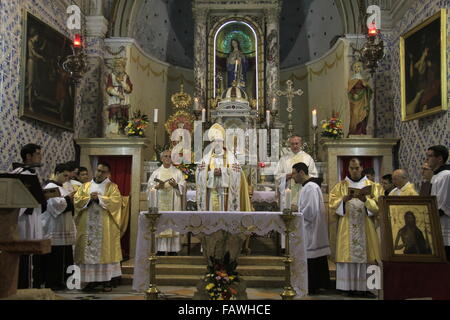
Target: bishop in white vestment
(221,183)
(170,185)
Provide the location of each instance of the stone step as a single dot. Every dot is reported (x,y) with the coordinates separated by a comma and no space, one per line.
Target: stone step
(200,260)
(192,281)
(175,269)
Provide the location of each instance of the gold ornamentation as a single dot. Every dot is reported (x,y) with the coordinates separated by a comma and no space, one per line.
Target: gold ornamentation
(181,100)
(180,120)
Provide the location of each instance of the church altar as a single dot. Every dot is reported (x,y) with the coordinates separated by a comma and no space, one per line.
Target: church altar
(207,223)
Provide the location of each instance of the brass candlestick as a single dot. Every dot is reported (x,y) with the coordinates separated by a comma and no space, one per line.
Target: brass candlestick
(288,292)
(155,137)
(315,145)
(153,291)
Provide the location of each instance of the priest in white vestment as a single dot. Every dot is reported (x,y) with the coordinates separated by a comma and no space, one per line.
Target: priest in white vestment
(283,173)
(357,244)
(221,183)
(29,222)
(97,217)
(170,185)
(59,226)
(311,205)
(437,172)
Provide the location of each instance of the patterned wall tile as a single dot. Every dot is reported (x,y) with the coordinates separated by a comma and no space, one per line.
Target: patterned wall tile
(416,136)
(58,145)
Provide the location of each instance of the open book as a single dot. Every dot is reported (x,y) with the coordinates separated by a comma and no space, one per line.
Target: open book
(354,192)
(160,181)
(52,193)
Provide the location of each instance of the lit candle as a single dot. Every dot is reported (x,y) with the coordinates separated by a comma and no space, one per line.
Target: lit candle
(155,116)
(268,118)
(288,193)
(314,118)
(236,66)
(153,202)
(196,104)
(274,104)
(203,115)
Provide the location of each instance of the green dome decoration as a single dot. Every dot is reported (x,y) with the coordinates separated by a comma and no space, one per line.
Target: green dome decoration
(240,32)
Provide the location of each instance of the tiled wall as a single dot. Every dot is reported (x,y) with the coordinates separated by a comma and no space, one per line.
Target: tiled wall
(416,136)
(58,145)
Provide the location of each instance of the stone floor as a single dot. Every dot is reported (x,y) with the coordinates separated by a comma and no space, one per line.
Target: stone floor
(124,292)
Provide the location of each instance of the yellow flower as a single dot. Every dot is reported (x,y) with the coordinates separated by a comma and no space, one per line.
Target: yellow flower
(210,286)
(334,131)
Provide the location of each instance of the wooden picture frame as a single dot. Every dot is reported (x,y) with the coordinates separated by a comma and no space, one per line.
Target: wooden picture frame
(410,229)
(423,68)
(46,92)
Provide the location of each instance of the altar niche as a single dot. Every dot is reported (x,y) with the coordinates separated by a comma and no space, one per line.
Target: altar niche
(236,53)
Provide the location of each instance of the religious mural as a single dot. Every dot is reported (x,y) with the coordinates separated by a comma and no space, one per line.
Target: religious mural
(47,94)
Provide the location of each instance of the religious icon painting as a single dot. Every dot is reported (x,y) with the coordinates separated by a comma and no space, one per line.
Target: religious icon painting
(423,68)
(47,93)
(410,229)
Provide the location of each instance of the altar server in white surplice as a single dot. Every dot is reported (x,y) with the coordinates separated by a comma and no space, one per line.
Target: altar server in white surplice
(283,173)
(437,172)
(170,185)
(59,226)
(310,204)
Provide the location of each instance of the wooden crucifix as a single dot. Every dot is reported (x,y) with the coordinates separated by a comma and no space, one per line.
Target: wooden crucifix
(290,94)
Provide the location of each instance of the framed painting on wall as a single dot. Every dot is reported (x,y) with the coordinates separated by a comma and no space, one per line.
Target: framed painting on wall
(410,229)
(423,68)
(47,93)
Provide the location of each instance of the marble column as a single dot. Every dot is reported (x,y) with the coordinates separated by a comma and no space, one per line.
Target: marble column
(89,116)
(272,56)
(200,59)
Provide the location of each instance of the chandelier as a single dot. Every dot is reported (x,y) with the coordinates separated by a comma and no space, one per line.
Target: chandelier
(75,64)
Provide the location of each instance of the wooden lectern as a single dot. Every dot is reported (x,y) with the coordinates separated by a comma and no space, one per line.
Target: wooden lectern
(13,196)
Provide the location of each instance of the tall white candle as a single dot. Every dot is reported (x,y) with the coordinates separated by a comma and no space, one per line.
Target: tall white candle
(155,116)
(236,66)
(268,118)
(203,115)
(288,193)
(153,202)
(274,104)
(314,118)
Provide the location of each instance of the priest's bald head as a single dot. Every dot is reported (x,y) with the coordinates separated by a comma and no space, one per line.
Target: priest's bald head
(400,178)
(355,169)
(295,142)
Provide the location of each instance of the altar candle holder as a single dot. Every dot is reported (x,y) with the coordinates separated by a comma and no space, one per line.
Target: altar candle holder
(153,215)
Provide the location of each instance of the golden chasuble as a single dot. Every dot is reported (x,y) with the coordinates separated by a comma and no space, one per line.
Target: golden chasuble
(356,239)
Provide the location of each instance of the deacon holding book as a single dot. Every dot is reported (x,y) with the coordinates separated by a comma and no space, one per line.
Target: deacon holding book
(168,182)
(357,244)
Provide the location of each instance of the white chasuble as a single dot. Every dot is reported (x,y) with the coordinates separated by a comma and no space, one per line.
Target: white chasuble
(284,167)
(219,193)
(169,199)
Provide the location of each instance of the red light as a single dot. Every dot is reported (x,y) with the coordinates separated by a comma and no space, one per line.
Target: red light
(77,41)
(373,31)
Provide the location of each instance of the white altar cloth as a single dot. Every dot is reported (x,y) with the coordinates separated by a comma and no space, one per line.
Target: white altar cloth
(206,223)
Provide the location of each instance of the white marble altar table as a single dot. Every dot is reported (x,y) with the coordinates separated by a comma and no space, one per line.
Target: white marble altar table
(208,223)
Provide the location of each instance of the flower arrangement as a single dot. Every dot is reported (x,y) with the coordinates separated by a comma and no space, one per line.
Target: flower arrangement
(332,128)
(221,278)
(137,124)
(188,171)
